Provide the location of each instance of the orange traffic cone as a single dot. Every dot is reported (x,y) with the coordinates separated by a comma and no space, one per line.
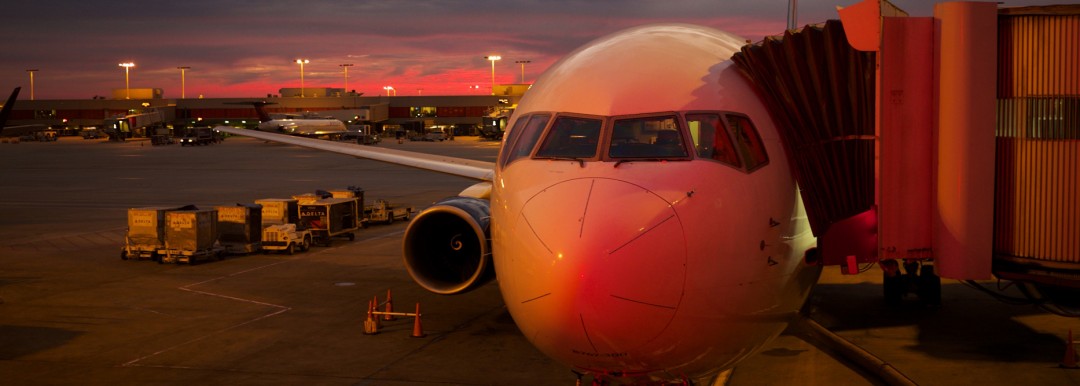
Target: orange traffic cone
(371,326)
(417,330)
(375,308)
(389,307)
(1069,361)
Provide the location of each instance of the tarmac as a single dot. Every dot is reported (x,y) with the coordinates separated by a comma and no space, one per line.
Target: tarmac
(73,312)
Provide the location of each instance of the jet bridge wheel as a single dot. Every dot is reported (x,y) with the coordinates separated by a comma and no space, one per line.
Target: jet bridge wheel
(918,278)
(893,282)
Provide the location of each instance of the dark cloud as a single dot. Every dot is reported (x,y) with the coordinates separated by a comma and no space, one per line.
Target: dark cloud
(236,46)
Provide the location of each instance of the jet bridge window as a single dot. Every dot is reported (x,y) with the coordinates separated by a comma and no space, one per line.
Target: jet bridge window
(649,137)
(711,140)
(523,137)
(571,137)
(747,141)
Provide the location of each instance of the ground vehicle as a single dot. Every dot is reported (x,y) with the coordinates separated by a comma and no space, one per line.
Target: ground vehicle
(91,133)
(362,134)
(385,212)
(119,128)
(45,135)
(159,135)
(435,133)
(331,217)
(285,237)
(279,226)
(198,136)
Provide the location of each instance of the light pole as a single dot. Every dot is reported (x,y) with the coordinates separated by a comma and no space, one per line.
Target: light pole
(127,78)
(301,62)
(346,67)
(390,89)
(32,71)
(522,63)
(183,94)
(493,58)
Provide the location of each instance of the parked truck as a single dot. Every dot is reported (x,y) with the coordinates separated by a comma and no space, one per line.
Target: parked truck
(190,236)
(281,231)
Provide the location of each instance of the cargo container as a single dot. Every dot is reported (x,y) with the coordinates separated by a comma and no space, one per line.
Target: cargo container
(331,217)
(307,198)
(146,232)
(240,228)
(190,236)
(277,211)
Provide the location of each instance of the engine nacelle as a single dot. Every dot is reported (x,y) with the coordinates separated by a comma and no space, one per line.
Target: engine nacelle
(447,247)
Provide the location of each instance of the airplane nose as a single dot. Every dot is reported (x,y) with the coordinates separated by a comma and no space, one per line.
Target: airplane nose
(607,267)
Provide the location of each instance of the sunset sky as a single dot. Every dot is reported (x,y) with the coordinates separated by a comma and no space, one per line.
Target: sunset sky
(248,48)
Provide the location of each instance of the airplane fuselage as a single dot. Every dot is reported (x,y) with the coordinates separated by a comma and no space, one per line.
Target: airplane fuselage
(657,264)
(304,127)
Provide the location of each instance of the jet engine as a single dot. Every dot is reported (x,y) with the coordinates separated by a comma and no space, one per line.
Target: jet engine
(447,246)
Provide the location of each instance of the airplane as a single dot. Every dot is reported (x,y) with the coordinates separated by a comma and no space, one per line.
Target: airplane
(306,124)
(18,130)
(641,217)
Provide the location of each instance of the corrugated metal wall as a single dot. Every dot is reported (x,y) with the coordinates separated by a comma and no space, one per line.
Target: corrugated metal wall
(1037,198)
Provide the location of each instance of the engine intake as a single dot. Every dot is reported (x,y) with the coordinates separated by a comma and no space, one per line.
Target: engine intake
(447,250)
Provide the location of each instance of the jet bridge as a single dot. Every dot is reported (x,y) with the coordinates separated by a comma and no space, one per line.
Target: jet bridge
(953,139)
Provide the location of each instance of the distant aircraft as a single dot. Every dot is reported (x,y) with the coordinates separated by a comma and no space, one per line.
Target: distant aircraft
(19,130)
(641,218)
(305,124)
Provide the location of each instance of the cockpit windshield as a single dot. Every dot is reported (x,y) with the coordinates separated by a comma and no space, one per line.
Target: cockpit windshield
(571,137)
(649,137)
(721,136)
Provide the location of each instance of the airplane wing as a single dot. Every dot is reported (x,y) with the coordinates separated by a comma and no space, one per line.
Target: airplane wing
(478,170)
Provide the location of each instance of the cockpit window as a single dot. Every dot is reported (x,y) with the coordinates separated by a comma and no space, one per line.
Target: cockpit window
(748,141)
(650,137)
(571,137)
(521,142)
(511,137)
(711,140)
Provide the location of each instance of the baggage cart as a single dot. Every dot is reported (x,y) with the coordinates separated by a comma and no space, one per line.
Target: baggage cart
(240,228)
(146,232)
(190,237)
(331,217)
(383,211)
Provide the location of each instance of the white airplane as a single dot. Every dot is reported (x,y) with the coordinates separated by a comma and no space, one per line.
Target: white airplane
(307,124)
(641,218)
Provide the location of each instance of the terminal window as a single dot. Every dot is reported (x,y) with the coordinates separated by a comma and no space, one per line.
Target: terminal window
(423,112)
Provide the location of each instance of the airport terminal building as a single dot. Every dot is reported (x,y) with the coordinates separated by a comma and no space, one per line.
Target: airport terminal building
(465,112)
